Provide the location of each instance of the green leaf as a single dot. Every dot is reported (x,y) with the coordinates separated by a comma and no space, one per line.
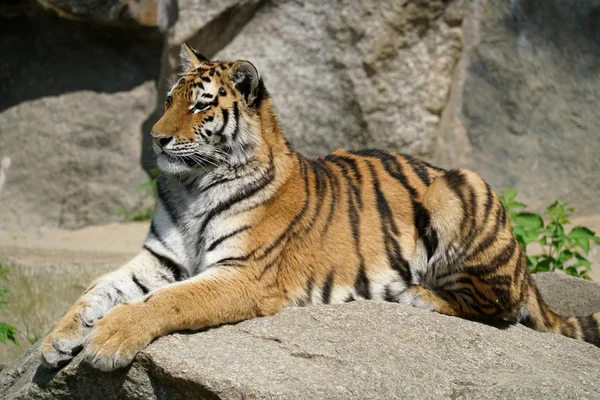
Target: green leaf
(564,256)
(572,271)
(584,243)
(582,261)
(532,261)
(510,194)
(581,232)
(545,264)
(516,204)
(8,332)
(530,220)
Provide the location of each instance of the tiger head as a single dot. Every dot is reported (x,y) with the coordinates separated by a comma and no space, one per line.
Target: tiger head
(212,116)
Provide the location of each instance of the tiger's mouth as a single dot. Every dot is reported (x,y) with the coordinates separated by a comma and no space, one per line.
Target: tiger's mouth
(190,161)
(180,163)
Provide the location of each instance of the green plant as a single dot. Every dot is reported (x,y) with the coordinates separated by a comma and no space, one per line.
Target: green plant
(7,332)
(143,213)
(560,250)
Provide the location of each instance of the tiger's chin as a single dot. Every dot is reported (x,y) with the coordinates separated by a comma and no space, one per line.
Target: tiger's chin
(182,166)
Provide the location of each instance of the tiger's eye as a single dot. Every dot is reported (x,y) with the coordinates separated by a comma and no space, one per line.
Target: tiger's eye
(168,101)
(222,92)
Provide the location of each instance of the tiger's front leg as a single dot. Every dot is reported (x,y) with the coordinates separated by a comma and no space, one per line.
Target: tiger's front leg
(221,294)
(135,279)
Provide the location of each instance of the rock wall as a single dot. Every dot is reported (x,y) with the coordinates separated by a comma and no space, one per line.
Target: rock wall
(75,95)
(524,111)
(342,74)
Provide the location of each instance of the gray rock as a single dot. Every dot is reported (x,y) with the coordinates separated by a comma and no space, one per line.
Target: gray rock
(367,350)
(72,110)
(525,109)
(152,13)
(342,74)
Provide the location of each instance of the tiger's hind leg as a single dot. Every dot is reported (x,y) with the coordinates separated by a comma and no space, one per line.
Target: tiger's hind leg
(467,262)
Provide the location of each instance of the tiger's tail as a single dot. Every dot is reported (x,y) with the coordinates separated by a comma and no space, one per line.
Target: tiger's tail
(536,314)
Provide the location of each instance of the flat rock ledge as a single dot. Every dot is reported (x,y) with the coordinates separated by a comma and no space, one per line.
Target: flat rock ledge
(362,350)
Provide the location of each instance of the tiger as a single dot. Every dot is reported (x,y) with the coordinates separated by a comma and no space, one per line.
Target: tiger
(245,225)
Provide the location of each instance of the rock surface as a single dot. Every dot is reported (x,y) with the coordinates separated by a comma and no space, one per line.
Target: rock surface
(354,74)
(524,111)
(152,13)
(359,350)
(72,111)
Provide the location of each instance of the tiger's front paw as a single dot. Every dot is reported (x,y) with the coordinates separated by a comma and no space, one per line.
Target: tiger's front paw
(118,337)
(67,338)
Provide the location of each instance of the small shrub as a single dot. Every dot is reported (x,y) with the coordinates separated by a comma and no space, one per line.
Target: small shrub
(7,332)
(560,250)
(144,213)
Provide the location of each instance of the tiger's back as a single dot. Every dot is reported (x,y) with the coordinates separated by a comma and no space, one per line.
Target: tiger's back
(351,231)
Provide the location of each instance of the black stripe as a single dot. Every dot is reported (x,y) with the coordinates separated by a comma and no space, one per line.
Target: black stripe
(218,182)
(347,164)
(120,293)
(309,288)
(392,167)
(334,193)
(590,330)
(467,280)
(327,286)
(427,165)
(389,230)
(139,284)
(498,261)
(362,283)
(488,202)
(354,199)
(250,190)
(236,118)
(496,280)
(456,181)
(225,115)
(418,168)
(422,223)
(488,240)
(289,229)
(154,231)
(220,240)
(261,94)
(165,199)
(320,188)
(349,298)
(177,270)
(388,295)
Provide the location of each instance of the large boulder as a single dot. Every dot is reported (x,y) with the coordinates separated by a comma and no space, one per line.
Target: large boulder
(524,109)
(75,98)
(372,350)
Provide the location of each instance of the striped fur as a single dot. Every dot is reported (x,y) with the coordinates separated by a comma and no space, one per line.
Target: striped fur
(245,226)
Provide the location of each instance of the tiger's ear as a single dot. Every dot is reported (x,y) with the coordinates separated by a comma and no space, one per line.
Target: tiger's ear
(246,80)
(190,58)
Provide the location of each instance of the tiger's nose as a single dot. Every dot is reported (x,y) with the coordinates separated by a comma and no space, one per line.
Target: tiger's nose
(162,140)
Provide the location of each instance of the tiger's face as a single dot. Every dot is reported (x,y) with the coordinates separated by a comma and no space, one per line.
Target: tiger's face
(210,116)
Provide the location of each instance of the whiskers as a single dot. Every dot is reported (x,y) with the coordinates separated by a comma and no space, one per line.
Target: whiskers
(217,158)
